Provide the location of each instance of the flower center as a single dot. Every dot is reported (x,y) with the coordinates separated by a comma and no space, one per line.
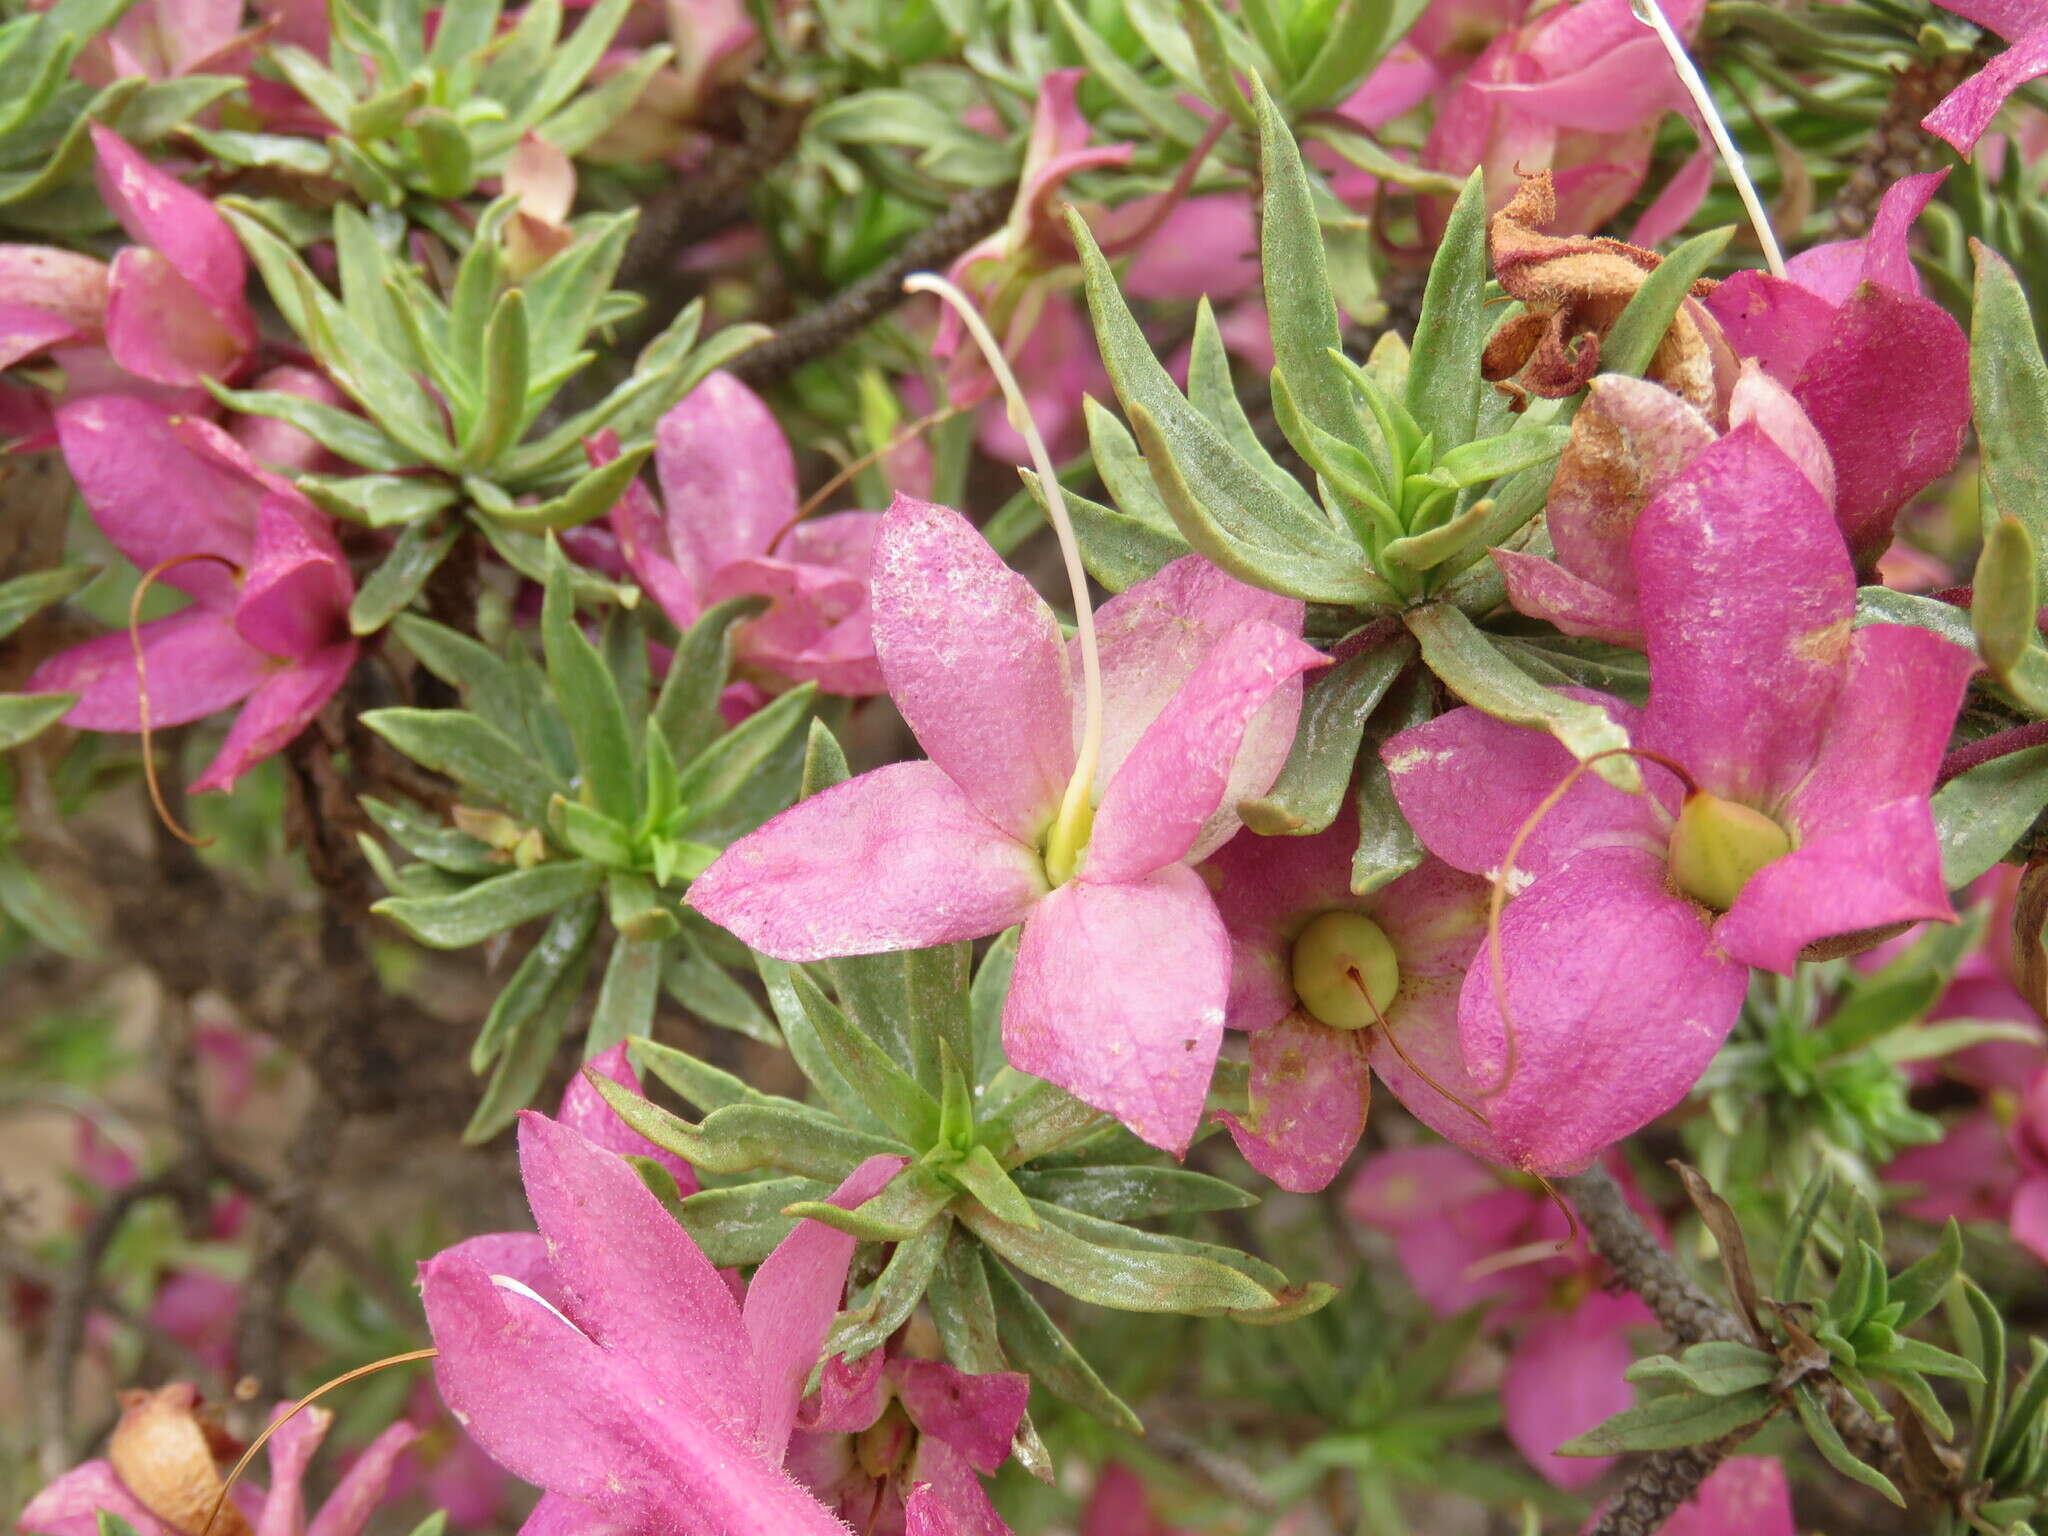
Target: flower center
(1345,970)
(1718,844)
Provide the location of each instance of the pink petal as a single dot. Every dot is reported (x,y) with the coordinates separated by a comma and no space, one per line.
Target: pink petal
(1310,1090)
(975,664)
(1266,889)
(2008,18)
(161,328)
(1469,783)
(793,1298)
(1564,1377)
(1747,596)
(1885,867)
(1161,805)
(1889,729)
(61,284)
(521,1256)
(1967,111)
(1543,589)
(946,1498)
(278,444)
(1889,389)
(1119,1506)
(1206,246)
(1759,398)
(584,1109)
(554,1515)
(1672,209)
(727,477)
(24,332)
(154,497)
(362,1487)
(893,859)
(1744,1496)
(977,1415)
(819,625)
(1404,1188)
(2029,1220)
(281,707)
(1118,998)
(1887,260)
(1775,321)
(1628,439)
(1616,91)
(289,1450)
(1618,998)
(70,1505)
(159,211)
(635,1282)
(296,593)
(850,1397)
(193,662)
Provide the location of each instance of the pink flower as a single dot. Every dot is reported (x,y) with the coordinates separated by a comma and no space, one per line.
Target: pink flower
(1744,1496)
(1625,952)
(1883,374)
(584,1109)
(160,1476)
(728,483)
(1297,931)
(888,1437)
(1465,1237)
(447,1468)
(1123,970)
(268,623)
(1579,92)
(164,39)
(1119,1506)
(1629,438)
(1967,111)
(606,1361)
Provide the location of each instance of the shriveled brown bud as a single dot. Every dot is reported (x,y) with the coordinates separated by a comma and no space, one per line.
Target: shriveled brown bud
(165,1450)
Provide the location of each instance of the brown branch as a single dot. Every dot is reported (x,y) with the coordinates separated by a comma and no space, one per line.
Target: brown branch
(293,1229)
(817,331)
(1659,1484)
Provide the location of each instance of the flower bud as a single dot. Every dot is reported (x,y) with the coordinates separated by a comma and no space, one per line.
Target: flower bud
(1340,958)
(1718,844)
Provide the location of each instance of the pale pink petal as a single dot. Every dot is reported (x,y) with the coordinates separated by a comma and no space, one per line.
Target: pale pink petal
(1889,729)
(1544,589)
(1759,398)
(1564,1377)
(1469,784)
(61,284)
(635,1282)
(1744,1496)
(1885,867)
(1747,596)
(1887,260)
(1967,111)
(70,1506)
(1406,1187)
(1615,91)
(1889,390)
(543,178)
(281,707)
(1310,1090)
(2008,18)
(2029,1219)
(1629,437)
(159,211)
(586,1110)
(728,479)
(1162,803)
(160,327)
(977,1415)
(296,592)
(362,1487)
(793,1298)
(1672,209)
(893,859)
(1618,999)
(521,1256)
(975,664)
(1118,998)
(554,1515)
(1206,246)
(289,1450)
(279,444)
(24,332)
(193,662)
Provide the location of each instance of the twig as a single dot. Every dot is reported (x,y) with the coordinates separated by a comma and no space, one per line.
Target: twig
(1977,753)
(294,1229)
(817,331)
(1659,1484)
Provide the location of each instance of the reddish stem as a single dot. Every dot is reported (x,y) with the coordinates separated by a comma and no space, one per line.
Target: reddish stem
(1991,748)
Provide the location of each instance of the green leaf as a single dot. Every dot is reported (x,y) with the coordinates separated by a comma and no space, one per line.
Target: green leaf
(626,999)
(743,1137)
(589,701)
(1039,1120)
(1981,814)
(49,920)
(1634,338)
(1489,458)
(1877,1007)
(905,1206)
(471,751)
(1881,605)
(1125,1279)
(24,597)
(502,411)
(415,555)
(1715,1368)
(906,1108)
(1451,331)
(546,982)
(2005,601)
(1799,1234)
(1334,709)
(1471,667)
(699,983)
(1036,1346)
(524,1062)
(1213,392)
(686,711)
(1828,1440)
(426,837)
(983,1177)
(749,773)
(700,1083)
(24,716)
(1121,1192)
(742,1225)
(1387,846)
(1119,551)
(2008,396)
(378,501)
(1157,109)
(491,906)
(1667,1423)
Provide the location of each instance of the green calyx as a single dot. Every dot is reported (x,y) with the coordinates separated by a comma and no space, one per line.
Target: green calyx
(1345,970)
(1718,844)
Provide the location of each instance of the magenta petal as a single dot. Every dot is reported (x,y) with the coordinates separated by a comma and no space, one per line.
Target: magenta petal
(1118,998)
(1747,596)
(1889,390)
(1404,1188)
(1564,1377)
(634,1280)
(193,662)
(554,1515)
(1310,1090)
(977,1415)
(1771,319)
(2029,1219)
(946,1497)
(1629,437)
(1470,783)
(70,1505)
(585,1109)
(893,859)
(2008,18)
(159,211)
(1673,208)
(727,477)
(643,539)
(1967,111)
(1543,589)
(55,282)
(1619,999)
(1884,868)
(289,1450)
(793,1298)
(281,707)
(361,1489)
(974,661)
(296,592)
(25,332)
(159,326)
(1888,261)
(521,1256)
(1744,1496)
(1759,398)
(1161,805)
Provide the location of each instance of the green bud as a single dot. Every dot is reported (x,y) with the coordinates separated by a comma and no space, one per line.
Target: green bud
(1718,844)
(1340,960)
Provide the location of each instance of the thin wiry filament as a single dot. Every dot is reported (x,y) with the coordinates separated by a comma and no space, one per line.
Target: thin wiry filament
(156,790)
(1387,1029)
(1074,806)
(908,435)
(292,1412)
